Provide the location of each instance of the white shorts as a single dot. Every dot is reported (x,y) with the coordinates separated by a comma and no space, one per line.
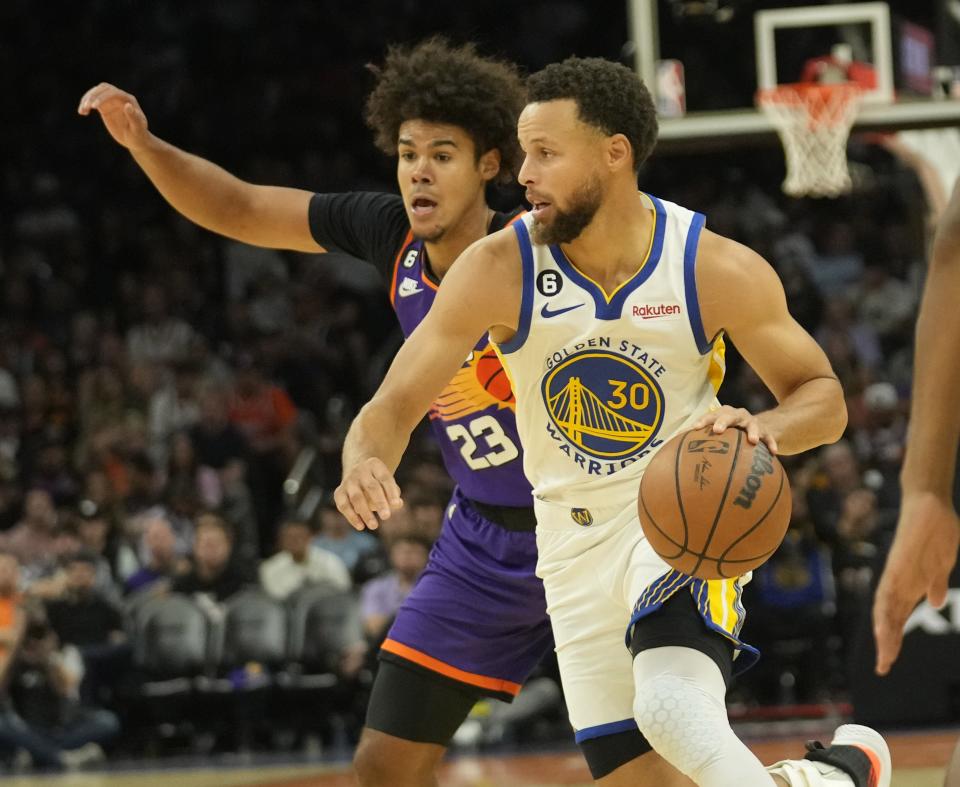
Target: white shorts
(599,579)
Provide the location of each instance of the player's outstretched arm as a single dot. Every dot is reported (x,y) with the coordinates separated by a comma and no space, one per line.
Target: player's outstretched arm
(206,194)
(740,294)
(480,292)
(924,549)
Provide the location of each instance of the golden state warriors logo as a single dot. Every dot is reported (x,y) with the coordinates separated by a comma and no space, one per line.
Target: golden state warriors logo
(606,405)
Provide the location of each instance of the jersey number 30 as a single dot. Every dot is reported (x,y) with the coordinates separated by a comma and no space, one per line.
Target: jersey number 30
(499,447)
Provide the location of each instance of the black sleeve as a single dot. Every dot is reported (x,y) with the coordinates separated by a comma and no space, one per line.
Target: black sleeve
(365,224)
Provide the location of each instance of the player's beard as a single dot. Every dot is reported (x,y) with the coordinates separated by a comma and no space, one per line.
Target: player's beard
(567,224)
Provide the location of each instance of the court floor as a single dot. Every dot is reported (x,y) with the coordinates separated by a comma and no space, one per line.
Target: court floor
(919,758)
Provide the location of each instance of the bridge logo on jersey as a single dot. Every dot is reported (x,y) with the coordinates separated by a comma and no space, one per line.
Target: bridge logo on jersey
(606,405)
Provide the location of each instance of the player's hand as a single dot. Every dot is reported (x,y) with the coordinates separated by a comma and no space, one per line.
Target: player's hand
(120,112)
(923,554)
(367,492)
(728,416)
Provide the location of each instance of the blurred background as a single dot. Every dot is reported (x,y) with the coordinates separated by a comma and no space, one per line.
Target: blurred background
(172,404)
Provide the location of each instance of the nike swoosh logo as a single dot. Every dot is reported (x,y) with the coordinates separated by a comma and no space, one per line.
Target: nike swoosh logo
(408,287)
(548,313)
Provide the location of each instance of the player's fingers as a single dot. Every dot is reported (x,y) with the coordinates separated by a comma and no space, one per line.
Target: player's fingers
(345,507)
(84,106)
(389,485)
(376,496)
(890,613)
(889,641)
(937,591)
(753,431)
(359,502)
(705,420)
(97,95)
(886,643)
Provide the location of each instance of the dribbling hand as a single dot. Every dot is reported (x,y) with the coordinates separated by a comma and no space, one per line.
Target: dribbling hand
(120,112)
(367,494)
(728,416)
(923,554)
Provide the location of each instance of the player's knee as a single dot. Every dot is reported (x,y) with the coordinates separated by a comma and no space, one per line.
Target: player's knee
(681,722)
(372,763)
(383,761)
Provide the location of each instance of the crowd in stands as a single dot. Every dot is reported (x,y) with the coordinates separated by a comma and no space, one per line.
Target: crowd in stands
(163,389)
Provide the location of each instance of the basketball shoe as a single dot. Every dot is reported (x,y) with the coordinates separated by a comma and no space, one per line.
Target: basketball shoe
(857,755)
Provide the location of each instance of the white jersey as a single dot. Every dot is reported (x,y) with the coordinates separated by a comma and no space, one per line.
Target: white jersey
(602,381)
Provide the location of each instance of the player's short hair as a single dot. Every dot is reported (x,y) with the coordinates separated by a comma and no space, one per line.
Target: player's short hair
(609,96)
(441,83)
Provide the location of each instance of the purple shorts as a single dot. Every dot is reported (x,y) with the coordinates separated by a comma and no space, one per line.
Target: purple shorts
(477,615)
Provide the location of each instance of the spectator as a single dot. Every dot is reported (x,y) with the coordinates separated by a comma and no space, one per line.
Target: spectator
(887,305)
(11,617)
(217,442)
(160,338)
(43,714)
(97,534)
(84,618)
(163,559)
(267,417)
(52,472)
(34,540)
(839,475)
(213,573)
(380,598)
(173,407)
(337,536)
(300,563)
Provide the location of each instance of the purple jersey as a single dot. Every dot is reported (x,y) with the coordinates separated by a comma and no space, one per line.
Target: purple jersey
(474,418)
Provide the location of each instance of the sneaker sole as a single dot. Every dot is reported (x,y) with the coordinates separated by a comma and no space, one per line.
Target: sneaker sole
(872,744)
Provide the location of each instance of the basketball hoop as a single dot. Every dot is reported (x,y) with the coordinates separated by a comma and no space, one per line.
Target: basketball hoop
(813,121)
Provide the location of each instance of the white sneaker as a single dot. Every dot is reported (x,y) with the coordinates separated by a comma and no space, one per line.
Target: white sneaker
(859,751)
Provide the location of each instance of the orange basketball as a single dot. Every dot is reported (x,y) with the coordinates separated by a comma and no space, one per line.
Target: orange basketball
(712,505)
(493,378)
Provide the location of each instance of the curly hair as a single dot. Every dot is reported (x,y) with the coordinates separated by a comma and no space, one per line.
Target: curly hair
(441,83)
(609,97)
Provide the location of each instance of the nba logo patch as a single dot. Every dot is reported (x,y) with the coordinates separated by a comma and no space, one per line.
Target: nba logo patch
(581,516)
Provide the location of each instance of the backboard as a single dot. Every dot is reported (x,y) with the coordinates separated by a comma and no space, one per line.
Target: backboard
(814,27)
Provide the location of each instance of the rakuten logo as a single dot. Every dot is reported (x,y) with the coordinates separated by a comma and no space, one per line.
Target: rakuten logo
(649,312)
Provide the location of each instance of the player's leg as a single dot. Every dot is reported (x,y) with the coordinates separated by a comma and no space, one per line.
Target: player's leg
(411,717)
(682,668)
(582,571)
(953,769)
(475,625)
(650,770)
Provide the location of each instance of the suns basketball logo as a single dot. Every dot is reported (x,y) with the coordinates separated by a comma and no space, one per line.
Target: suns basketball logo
(606,405)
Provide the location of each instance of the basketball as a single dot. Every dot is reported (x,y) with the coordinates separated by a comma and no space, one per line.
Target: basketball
(712,505)
(493,378)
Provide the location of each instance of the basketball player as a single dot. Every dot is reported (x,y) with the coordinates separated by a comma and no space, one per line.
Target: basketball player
(924,549)
(476,622)
(609,307)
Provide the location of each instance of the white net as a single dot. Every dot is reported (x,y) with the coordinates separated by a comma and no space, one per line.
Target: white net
(814,123)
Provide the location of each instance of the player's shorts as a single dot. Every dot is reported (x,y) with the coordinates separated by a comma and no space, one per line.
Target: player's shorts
(476,619)
(601,579)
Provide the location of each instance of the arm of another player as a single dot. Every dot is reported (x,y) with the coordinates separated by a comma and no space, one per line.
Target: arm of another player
(208,195)
(741,294)
(480,292)
(924,549)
